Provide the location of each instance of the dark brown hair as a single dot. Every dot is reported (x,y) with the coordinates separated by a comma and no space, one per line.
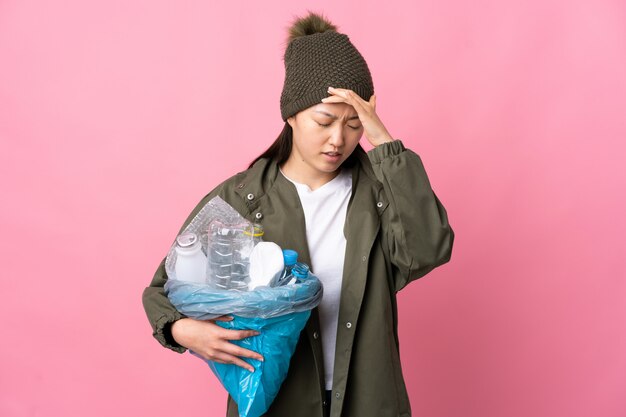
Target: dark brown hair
(281,149)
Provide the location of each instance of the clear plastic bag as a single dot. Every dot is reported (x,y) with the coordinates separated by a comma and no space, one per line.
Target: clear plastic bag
(204,302)
(216,210)
(278,313)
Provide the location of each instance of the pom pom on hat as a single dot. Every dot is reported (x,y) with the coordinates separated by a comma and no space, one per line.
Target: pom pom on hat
(308,25)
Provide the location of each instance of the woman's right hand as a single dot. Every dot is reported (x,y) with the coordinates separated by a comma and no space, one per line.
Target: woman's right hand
(211,341)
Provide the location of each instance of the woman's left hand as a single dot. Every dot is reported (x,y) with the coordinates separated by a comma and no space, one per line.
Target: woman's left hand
(374,130)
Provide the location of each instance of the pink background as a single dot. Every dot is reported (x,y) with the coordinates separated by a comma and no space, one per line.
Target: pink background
(116,117)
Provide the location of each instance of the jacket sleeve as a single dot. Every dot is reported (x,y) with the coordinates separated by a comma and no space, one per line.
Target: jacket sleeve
(418,234)
(161,313)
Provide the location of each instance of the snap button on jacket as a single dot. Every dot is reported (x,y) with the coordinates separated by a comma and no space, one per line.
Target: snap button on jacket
(397,231)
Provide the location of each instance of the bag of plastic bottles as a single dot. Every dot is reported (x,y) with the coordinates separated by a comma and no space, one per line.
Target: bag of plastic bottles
(278,313)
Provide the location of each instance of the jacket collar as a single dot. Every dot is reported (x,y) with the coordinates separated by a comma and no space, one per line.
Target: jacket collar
(262,176)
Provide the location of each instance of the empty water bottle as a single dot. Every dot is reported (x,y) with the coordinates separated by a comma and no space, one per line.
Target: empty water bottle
(294,270)
(290,257)
(299,272)
(228,254)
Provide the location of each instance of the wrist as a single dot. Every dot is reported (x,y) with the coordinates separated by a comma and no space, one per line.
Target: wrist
(378,143)
(177,329)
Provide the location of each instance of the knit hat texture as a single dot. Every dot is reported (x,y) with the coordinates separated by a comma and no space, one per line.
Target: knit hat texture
(317,56)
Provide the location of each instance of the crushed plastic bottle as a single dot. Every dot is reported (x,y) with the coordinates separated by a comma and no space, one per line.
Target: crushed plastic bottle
(299,272)
(293,271)
(228,254)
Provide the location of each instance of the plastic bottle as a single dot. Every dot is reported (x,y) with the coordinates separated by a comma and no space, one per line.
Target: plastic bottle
(294,270)
(299,272)
(290,257)
(228,251)
(190,261)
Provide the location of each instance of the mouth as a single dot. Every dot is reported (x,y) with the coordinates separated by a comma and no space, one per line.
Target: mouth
(332,157)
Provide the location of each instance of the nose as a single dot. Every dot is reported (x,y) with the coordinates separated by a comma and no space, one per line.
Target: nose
(336,138)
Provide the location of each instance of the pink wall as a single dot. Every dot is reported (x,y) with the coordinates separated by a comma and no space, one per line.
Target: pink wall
(115,119)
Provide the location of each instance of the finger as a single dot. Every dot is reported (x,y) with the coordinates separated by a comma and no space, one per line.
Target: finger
(235,350)
(339,93)
(347,94)
(230,359)
(334,99)
(373,101)
(223,318)
(358,106)
(238,334)
(351,98)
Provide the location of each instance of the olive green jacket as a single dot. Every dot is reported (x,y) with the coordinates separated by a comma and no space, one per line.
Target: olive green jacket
(397,231)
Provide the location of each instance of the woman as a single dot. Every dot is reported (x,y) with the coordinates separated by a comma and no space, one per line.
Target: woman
(366,223)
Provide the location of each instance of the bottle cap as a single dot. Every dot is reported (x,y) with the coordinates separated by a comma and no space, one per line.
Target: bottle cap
(256,230)
(186,240)
(291,256)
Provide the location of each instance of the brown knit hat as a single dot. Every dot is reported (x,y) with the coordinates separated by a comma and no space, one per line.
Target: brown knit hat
(317,56)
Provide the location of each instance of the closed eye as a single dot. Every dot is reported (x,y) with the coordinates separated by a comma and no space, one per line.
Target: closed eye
(353,128)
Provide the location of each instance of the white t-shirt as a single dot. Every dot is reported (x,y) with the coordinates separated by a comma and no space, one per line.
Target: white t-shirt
(325,210)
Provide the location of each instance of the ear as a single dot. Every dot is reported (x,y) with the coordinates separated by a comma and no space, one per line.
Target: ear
(291,120)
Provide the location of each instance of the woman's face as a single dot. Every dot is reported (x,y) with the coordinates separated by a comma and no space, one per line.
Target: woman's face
(324,136)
